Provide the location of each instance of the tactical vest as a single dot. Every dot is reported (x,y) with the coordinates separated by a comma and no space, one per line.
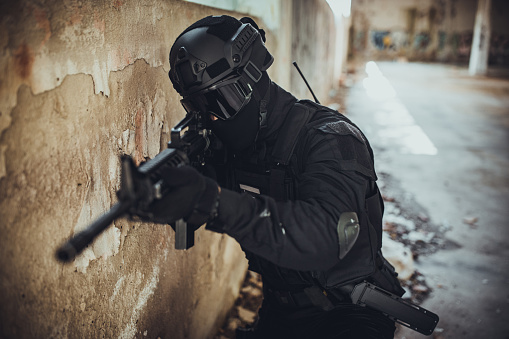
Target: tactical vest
(274,176)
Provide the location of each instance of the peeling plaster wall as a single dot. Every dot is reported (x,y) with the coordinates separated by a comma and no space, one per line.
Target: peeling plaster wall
(83,82)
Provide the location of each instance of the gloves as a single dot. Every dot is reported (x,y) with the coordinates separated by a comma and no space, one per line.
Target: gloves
(191,196)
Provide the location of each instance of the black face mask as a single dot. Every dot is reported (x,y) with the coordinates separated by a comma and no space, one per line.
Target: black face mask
(239,132)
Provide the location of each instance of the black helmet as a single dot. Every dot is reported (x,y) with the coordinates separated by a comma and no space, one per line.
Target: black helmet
(216,64)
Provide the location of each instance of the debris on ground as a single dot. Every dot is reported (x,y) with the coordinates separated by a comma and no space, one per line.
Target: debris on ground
(245,311)
(399,256)
(471,221)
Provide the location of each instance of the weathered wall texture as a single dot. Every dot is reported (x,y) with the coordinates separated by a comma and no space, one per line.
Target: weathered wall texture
(83,82)
(313,47)
(499,37)
(425,30)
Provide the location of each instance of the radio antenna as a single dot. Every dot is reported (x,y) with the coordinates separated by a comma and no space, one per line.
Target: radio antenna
(303,78)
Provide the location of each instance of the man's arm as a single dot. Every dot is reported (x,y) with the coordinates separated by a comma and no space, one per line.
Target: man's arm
(301,234)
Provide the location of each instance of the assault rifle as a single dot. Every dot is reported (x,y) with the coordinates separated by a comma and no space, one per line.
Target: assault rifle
(140,186)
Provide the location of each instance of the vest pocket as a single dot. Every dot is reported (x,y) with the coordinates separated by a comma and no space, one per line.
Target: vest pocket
(252,183)
(274,183)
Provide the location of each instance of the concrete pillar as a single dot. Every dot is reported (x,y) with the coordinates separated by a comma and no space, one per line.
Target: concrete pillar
(481,40)
(313,40)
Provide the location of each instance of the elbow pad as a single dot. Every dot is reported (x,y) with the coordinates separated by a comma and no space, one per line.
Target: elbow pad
(348,232)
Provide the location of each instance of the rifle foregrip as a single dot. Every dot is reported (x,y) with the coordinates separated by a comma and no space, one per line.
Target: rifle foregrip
(68,251)
(184,235)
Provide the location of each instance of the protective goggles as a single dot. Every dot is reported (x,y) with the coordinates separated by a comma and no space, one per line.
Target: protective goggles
(223,100)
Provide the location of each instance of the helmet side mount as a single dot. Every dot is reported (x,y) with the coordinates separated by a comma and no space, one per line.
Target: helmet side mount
(188,68)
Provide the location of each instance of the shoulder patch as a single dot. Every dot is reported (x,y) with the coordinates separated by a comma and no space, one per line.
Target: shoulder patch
(352,149)
(342,127)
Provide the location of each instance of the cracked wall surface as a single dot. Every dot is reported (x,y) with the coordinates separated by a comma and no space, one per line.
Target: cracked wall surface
(83,82)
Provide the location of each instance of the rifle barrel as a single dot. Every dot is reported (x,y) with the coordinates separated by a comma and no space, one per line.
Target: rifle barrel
(78,242)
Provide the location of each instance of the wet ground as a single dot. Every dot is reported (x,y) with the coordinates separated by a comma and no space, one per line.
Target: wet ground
(441,142)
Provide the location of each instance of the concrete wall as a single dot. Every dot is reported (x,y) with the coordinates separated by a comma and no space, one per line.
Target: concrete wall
(313,47)
(499,40)
(425,30)
(81,83)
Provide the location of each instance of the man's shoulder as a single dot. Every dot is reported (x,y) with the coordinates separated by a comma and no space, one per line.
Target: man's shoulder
(329,121)
(332,135)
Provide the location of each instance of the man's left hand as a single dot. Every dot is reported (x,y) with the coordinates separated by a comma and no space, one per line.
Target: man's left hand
(191,196)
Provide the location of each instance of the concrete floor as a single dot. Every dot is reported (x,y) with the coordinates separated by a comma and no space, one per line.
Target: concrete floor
(443,136)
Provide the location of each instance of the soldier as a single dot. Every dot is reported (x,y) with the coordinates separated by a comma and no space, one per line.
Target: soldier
(292,181)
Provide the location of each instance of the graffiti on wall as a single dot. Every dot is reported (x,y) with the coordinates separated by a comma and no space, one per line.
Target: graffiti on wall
(499,50)
(389,40)
(381,39)
(453,47)
(458,45)
(395,40)
(461,43)
(421,41)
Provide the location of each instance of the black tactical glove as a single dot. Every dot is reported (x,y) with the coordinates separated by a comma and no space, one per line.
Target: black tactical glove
(191,196)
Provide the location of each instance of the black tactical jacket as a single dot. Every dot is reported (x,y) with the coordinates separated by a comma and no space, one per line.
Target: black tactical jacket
(282,202)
